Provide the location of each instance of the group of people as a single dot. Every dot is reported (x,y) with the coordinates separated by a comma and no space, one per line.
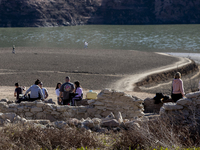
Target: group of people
(67,93)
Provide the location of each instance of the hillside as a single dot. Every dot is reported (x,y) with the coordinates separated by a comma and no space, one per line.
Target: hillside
(36,13)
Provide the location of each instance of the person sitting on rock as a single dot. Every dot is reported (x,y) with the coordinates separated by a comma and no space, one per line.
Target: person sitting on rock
(18,90)
(177,87)
(44,90)
(36,92)
(78,93)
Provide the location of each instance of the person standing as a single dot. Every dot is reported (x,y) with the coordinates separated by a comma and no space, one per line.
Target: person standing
(177,87)
(13,51)
(86,44)
(44,90)
(65,90)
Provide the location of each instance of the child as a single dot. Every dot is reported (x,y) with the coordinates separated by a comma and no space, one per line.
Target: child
(18,90)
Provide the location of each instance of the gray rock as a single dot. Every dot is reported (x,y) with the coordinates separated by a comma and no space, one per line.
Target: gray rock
(39,104)
(62,108)
(40,115)
(13,105)
(184,101)
(60,124)
(6,122)
(17,119)
(88,123)
(132,124)
(110,123)
(91,101)
(9,116)
(3,105)
(119,117)
(36,109)
(193,95)
(110,116)
(172,106)
(73,122)
(28,114)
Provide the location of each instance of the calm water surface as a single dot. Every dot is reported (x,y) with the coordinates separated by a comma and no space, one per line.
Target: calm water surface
(162,38)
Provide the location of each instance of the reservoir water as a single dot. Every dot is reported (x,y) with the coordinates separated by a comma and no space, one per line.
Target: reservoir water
(162,38)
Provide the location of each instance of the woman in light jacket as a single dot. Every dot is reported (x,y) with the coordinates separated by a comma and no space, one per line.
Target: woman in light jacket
(177,87)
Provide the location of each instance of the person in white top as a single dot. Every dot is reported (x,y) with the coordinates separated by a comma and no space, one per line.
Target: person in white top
(44,90)
(58,92)
(86,45)
(78,92)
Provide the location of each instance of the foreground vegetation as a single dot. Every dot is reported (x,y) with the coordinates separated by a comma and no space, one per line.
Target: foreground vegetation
(156,134)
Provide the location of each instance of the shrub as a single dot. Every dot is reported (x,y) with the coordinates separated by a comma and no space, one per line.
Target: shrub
(29,137)
(158,134)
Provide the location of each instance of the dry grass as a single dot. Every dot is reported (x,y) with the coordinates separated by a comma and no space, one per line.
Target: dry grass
(29,137)
(156,134)
(159,134)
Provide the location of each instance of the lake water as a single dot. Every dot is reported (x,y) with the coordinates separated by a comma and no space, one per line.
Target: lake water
(162,38)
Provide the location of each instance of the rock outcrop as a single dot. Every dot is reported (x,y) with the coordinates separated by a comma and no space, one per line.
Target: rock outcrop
(184,111)
(36,13)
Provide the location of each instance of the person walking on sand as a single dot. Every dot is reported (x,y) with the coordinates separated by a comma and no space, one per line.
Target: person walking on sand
(86,44)
(36,92)
(44,90)
(13,51)
(177,87)
(58,92)
(65,90)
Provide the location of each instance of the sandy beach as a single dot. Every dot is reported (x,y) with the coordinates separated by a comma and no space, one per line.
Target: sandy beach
(95,69)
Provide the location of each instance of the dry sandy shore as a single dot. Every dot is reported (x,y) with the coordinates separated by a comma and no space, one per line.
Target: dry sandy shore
(95,69)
